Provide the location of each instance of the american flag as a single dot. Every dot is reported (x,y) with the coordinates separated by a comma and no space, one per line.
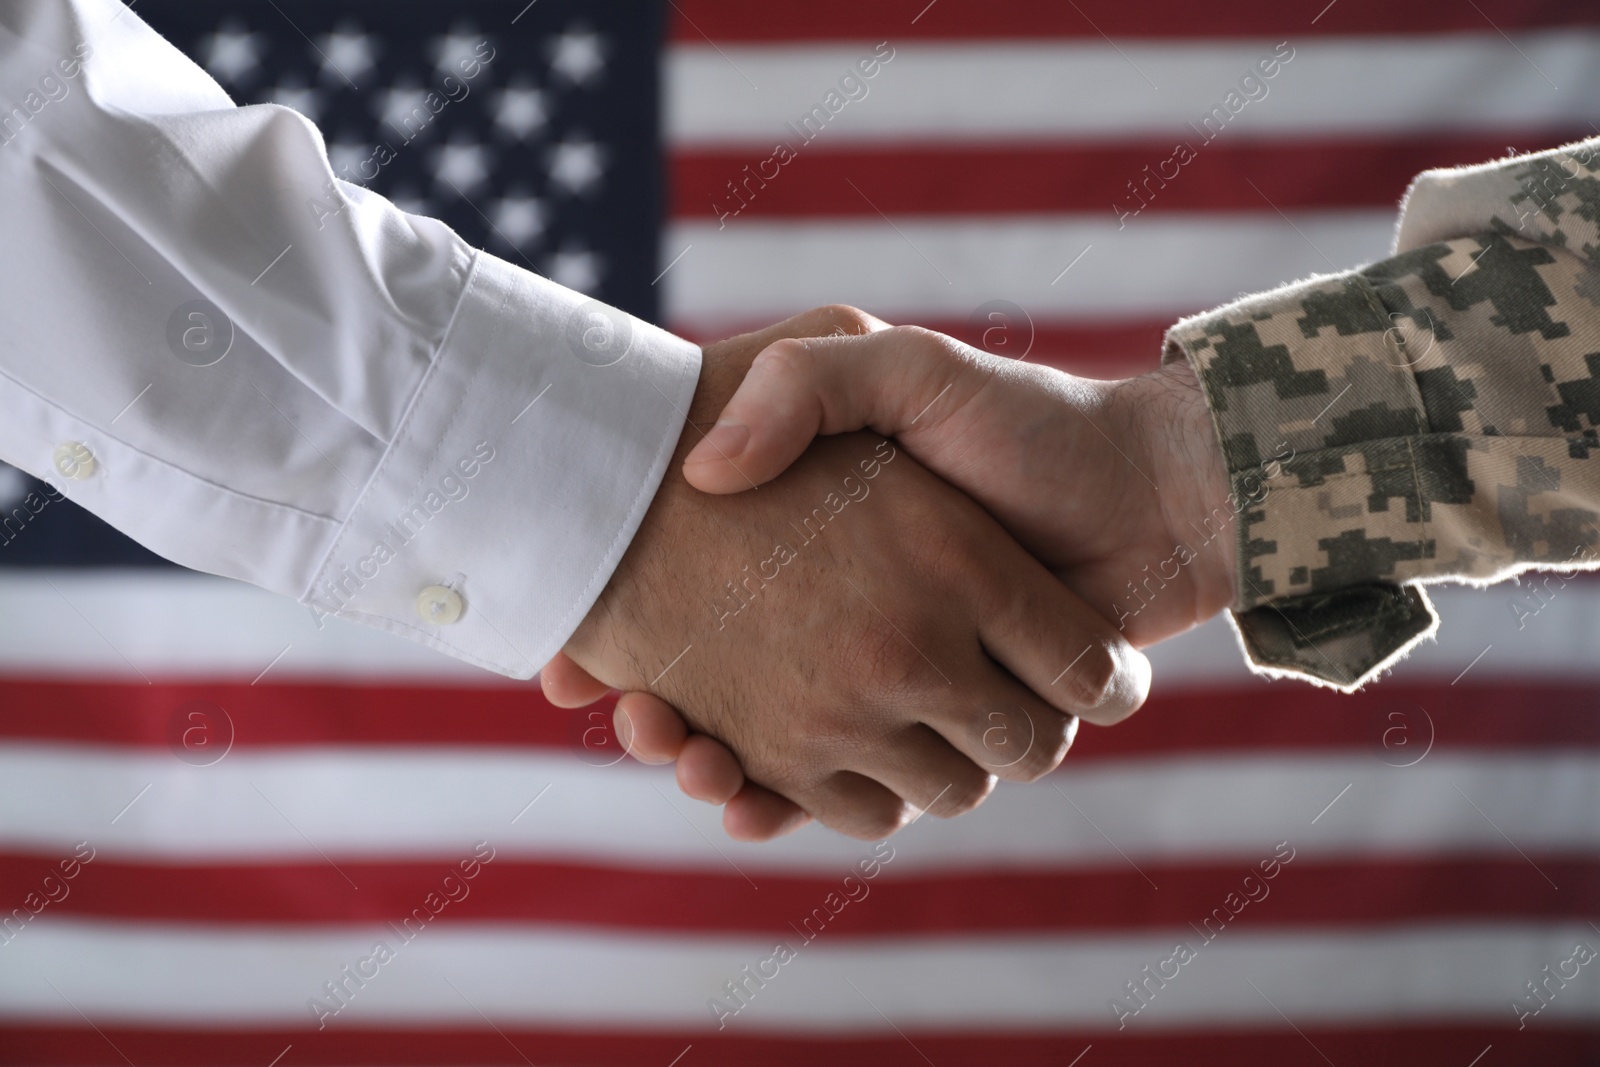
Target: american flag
(229,837)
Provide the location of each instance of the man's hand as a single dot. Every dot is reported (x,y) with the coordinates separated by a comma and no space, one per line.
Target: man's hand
(1102,481)
(867,640)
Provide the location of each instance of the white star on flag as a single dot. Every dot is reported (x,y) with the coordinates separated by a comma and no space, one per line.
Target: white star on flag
(519,110)
(463,164)
(346,54)
(13,487)
(578,56)
(403,102)
(577,166)
(231,54)
(461,43)
(346,158)
(576,269)
(294,95)
(518,218)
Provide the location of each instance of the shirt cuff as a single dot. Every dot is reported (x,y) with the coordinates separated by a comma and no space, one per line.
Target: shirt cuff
(521,471)
(1325,436)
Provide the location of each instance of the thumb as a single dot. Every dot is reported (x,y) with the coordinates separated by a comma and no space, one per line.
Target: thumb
(798,388)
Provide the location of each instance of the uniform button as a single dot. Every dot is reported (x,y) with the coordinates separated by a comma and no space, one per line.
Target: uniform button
(439,605)
(74,460)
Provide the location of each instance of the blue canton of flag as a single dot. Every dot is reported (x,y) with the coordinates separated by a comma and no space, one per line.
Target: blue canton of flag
(530,129)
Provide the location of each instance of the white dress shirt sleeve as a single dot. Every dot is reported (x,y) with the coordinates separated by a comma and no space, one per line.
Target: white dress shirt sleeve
(258,370)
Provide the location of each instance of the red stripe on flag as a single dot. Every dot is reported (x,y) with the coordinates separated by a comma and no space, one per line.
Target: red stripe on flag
(284,714)
(695,21)
(1393,721)
(1498,715)
(1549,1044)
(1117,898)
(1129,182)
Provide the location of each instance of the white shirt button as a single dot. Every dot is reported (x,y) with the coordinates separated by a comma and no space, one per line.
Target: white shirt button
(74,460)
(439,605)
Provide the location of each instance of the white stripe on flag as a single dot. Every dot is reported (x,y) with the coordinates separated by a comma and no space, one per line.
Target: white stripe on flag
(386,803)
(115,972)
(114,624)
(1154,267)
(181,625)
(1076,90)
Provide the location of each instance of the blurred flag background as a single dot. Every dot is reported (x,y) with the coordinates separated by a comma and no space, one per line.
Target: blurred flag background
(213,813)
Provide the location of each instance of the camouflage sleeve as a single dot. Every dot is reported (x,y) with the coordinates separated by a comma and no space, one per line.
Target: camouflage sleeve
(1432,416)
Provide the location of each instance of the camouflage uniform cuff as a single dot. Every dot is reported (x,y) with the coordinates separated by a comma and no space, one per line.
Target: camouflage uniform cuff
(1340,639)
(1297,446)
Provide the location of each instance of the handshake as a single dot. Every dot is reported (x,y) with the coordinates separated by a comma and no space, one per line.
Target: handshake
(885,570)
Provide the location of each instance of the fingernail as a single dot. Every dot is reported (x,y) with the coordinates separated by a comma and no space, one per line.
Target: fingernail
(725,442)
(624,727)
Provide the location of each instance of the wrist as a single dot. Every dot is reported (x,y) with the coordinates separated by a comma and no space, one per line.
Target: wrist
(1172,422)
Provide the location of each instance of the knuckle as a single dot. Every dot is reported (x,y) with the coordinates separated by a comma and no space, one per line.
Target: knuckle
(1050,741)
(1092,678)
(915,345)
(788,359)
(922,339)
(882,660)
(847,318)
(1006,739)
(965,794)
(916,335)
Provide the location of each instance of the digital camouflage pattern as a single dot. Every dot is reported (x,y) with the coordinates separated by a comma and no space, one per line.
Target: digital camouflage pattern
(1435,415)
